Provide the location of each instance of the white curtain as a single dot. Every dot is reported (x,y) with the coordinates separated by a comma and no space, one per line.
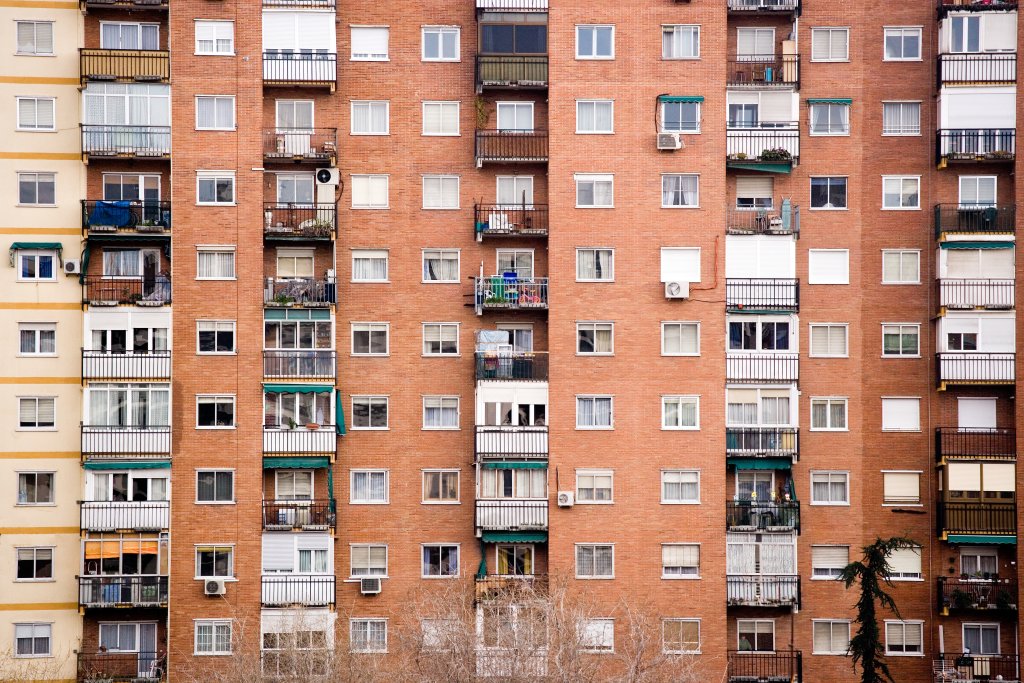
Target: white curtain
(370,268)
(740,558)
(680,41)
(679,190)
(121,263)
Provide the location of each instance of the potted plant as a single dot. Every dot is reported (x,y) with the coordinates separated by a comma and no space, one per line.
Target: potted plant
(312,426)
(960,599)
(283,299)
(291,423)
(776,154)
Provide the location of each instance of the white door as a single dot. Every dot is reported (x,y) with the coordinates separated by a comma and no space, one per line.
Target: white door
(976,413)
(294,126)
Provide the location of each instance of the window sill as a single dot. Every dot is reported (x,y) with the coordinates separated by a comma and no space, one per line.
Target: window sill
(898,357)
(824,356)
(429,60)
(36,505)
(440,502)
(440,429)
(37,280)
(369,502)
(370,355)
(595,578)
(370,282)
(441,135)
(688,206)
(217,279)
(35,429)
(605,281)
(214,428)
(904,654)
(36,206)
(901,431)
(825,578)
(901,135)
(900,283)
(903,505)
(680,429)
(212,654)
(829,208)
(830,505)
(35,580)
(680,355)
(591,206)
(217,130)
(369,135)
(216,353)
(680,502)
(447,577)
(442,208)
(440,355)
(830,654)
(370,429)
(227,579)
(356,579)
(669,577)
(214,54)
(828,135)
(37,355)
(594,429)
(595,132)
(215,502)
(36,130)
(369,208)
(901,208)
(439,282)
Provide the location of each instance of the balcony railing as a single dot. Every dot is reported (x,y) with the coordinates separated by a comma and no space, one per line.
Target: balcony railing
(510,220)
(774,294)
(301,291)
(302,221)
(512,5)
(121,667)
(299,515)
(981,219)
(511,146)
(762,442)
(308,364)
(127,515)
(310,590)
(968,367)
(767,144)
(300,4)
(762,590)
(762,367)
(300,441)
(511,441)
(998,519)
(126,365)
(752,515)
(975,144)
(510,588)
(985,444)
(511,71)
(308,68)
(125,66)
(975,5)
(784,666)
(963,293)
(763,221)
(511,293)
(143,291)
(987,593)
(108,442)
(126,4)
(122,591)
(763,71)
(126,141)
(970,668)
(315,145)
(977,69)
(528,366)
(764,5)
(126,216)
(507,515)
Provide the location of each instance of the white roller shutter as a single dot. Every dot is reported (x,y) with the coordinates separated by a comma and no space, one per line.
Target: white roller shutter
(976,413)
(979,110)
(776,257)
(997,335)
(999,476)
(957,324)
(901,414)
(963,263)
(828,267)
(755,187)
(740,256)
(742,98)
(1000,31)
(313,542)
(279,31)
(755,41)
(830,556)
(368,41)
(316,31)
(278,552)
(964,476)
(901,487)
(680,263)
(997,263)
(906,561)
(776,106)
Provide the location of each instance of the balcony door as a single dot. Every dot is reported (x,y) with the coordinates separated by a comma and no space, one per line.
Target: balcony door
(116,35)
(755,485)
(515,117)
(755,44)
(518,261)
(295,189)
(977,191)
(294,126)
(981,639)
(514,560)
(515,192)
(131,638)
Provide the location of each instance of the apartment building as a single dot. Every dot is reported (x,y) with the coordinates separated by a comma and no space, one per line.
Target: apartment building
(673,302)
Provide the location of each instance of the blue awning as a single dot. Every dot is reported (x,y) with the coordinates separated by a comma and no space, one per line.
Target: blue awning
(133,465)
(976,245)
(515,465)
(297,388)
(681,98)
(291,462)
(759,463)
(515,537)
(983,539)
(829,100)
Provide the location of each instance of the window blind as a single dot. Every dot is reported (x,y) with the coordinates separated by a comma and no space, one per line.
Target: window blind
(680,264)
(680,555)
(828,267)
(998,476)
(754,187)
(369,42)
(828,340)
(906,562)
(279,551)
(901,413)
(829,556)
(901,487)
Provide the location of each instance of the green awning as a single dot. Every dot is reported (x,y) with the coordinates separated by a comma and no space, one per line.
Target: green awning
(976,245)
(784,167)
(133,465)
(15,246)
(681,98)
(339,414)
(984,539)
(515,537)
(85,262)
(291,462)
(759,463)
(297,388)
(516,465)
(829,100)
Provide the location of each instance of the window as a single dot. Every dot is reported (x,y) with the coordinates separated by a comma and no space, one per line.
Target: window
(117,35)
(901,267)
(368,635)
(595,42)
(680,41)
(215,263)
(595,339)
(37,189)
(755,635)
(755,42)
(901,414)
(594,486)
(981,639)
(294,262)
(34,37)
(831,637)
(902,44)
(962,341)
(36,113)
(215,37)
(35,564)
(37,339)
(215,112)
(754,192)
(679,190)
(440,412)
(965,33)
(440,486)
(901,340)
(680,486)
(595,265)
(594,191)
(901,192)
(979,563)
(680,116)
(829,340)
(514,560)
(680,636)
(597,635)
(369,191)
(439,635)
(680,339)
(37,266)
(215,336)
(830,118)
(830,44)
(37,412)
(440,118)
(440,560)
(759,334)
(214,412)
(679,560)
(213,637)
(440,265)
(515,116)
(293,484)
(369,412)
(828,193)
(680,264)
(830,488)
(828,266)
(901,487)
(595,561)
(440,339)
(593,412)
(827,561)
(828,414)
(904,637)
(369,487)
(369,44)
(35,488)
(215,187)
(370,339)
(215,561)
(680,412)
(594,116)
(369,265)
(32,640)
(368,560)
(901,118)
(215,486)
(370,118)
(440,44)
(440,192)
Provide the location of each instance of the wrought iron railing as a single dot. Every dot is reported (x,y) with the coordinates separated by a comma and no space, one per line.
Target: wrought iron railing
(775,143)
(762,442)
(984,219)
(304,515)
(100,216)
(122,591)
(124,515)
(307,364)
(976,144)
(974,69)
(121,667)
(512,5)
(530,366)
(305,221)
(511,441)
(511,293)
(511,588)
(506,515)
(762,367)
(318,145)
(762,590)
(763,221)
(983,444)
(755,515)
(764,5)
(998,519)
(973,668)
(511,145)
(286,67)
(126,141)
(142,291)
(300,440)
(512,220)
(984,592)
(100,442)
(125,66)
(512,71)
(126,365)
(969,367)
(301,291)
(312,590)
(964,293)
(775,294)
(761,71)
(781,666)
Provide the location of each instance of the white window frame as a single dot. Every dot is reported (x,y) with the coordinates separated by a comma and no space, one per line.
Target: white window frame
(903,30)
(214,52)
(594,397)
(594,546)
(903,254)
(214,624)
(216,331)
(215,471)
(442,253)
(442,399)
(53,486)
(611,263)
(831,30)
(443,104)
(893,503)
(901,207)
(219,249)
(666,176)
(587,629)
(681,501)
(217,177)
(680,399)
(830,474)
(828,327)
(670,620)
(682,131)
(680,577)
(35,564)
(611,106)
(694,28)
(35,254)
(916,327)
(371,327)
(367,546)
(371,399)
(217,400)
(595,473)
(217,125)
(903,624)
(352,500)
(440,30)
(370,104)
(37,399)
(830,179)
(899,429)
(37,329)
(829,401)
(903,128)
(35,52)
(367,620)
(665,323)
(368,57)
(23,176)
(446,204)
(594,178)
(229,548)
(832,625)
(593,326)
(594,56)
(828,133)
(20,126)
(33,625)
(440,472)
(981,626)
(442,326)
(817,279)
(371,254)
(372,178)
(834,572)
(917,576)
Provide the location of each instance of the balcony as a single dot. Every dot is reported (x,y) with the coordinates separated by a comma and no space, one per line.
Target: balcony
(508,515)
(975,444)
(986,220)
(510,293)
(976,69)
(946,6)
(511,147)
(784,666)
(763,72)
(300,441)
(512,5)
(767,516)
(126,365)
(113,442)
(510,220)
(297,69)
(121,667)
(762,367)
(126,4)
(965,368)
(773,149)
(300,515)
(122,591)
(126,217)
(966,145)
(300,4)
(762,590)
(299,221)
(762,294)
(512,367)
(750,6)
(305,145)
(511,71)
(125,66)
(964,668)
(971,519)
(304,364)
(149,142)
(510,588)
(124,515)
(511,442)
(970,294)
(762,442)
(989,593)
(308,590)
(103,291)
(764,221)
(303,291)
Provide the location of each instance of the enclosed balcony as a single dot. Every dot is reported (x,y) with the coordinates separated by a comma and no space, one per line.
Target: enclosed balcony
(762,442)
(300,515)
(762,590)
(971,668)
(529,366)
(977,69)
(510,220)
(762,294)
(969,145)
(300,145)
(970,368)
(781,666)
(308,590)
(144,291)
(512,71)
(124,217)
(510,293)
(122,591)
(970,294)
(126,4)
(986,220)
(511,515)
(986,593)
(306,292)
(125,515)
(300,440)
(112,442)
(768,516)
(770,6)
(119,142)
(126,365)
(782,221)
(300,68)
(511,442)
(511,146)
(762,367)
(763,71)
(975,444)
(300,364)
(976,518)
(121,667)
(774,148)
(124,66)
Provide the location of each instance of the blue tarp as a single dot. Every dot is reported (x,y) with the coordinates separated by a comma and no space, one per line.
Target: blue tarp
(116,213)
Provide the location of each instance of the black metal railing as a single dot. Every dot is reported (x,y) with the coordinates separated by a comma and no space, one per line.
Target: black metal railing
(976,144)
(285,67)
(512,220)
(300,364)
(512,71)
(143,291)
(754,515)
(977,518)
(782,666)
(302,291)
(317,145)
(126,216)
(300,440)
(512,5)
(986,444)
(762,590)
(963,293)
(511,145)
(987,592)
(762,367)
(969,367)
(122,591)
(972,668)
(511,293)
(531,366)
(305,221)
(761,71)
(764,144)
(305,515)
(309,589)
(985,219)
(124,141)
(972,69)
(763,221)
(125,66)
(775,294)
(506,515)
(762,441)
(974,5)
(124,515)
(123,365)
(764,5)
(101,442)
(511,441)
(510,587)
(127,4)
(121,667)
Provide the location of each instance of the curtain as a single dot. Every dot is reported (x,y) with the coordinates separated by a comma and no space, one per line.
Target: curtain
(741,413)
(370,268)
(740,558)
(678,190)
(679,41)
(778,558)
(438,266)
(820,118)
(121,263)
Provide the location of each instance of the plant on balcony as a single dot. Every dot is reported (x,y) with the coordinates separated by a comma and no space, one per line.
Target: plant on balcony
(776,154)
(959,599)
(283,299)
(1001,154)
(1004,600)
(319,227)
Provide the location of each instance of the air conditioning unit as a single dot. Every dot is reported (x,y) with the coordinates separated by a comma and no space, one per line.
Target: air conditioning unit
(669,141)
(677,290)
(214,587)
(565,499)
(328,176)
(72,267)
(369,586)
